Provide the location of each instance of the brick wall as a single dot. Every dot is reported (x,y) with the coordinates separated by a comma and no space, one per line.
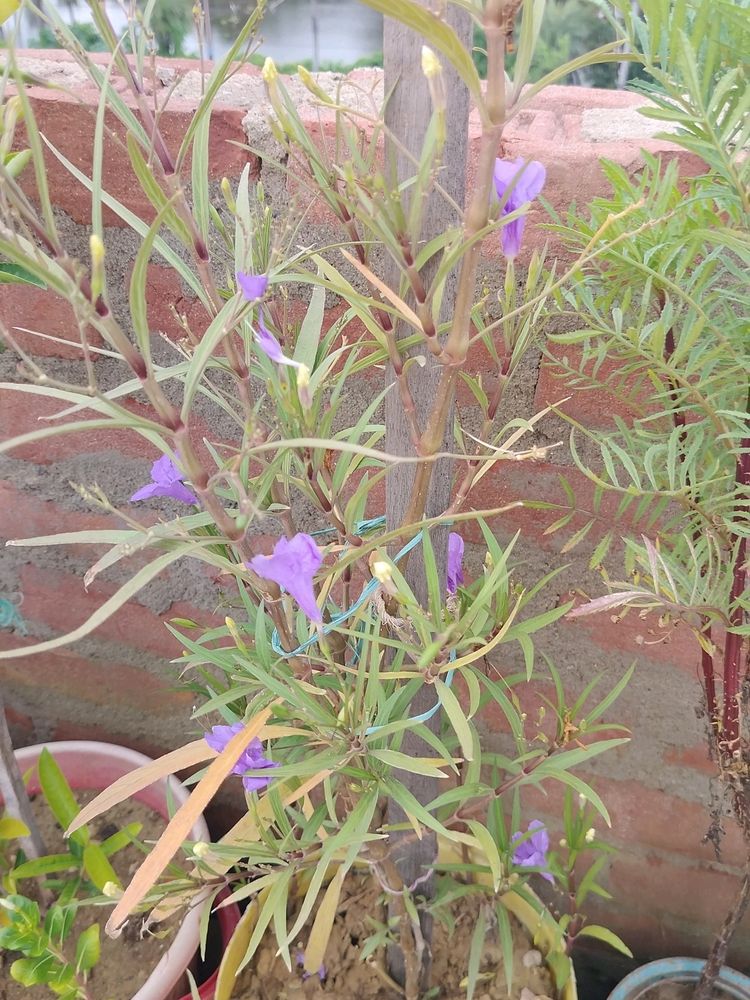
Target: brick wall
(670,888)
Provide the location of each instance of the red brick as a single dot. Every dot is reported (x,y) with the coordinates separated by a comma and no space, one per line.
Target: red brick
(700,894)
(595,407)
(25,515)
(133,625)
(696,758)
(96,683)
(72,119)
(639,637)
(44,312)
(164,297)
(21,413)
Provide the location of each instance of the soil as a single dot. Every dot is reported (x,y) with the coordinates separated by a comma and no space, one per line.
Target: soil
(125,963)
(677,991)
(346,976)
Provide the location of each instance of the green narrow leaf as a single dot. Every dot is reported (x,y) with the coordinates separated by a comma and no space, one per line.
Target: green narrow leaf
(88,949)
(489,849)
(436,33)
(49,864)
(199,174)
(457,718)
(98,868)
(609,937)
(505,933)
(59,795)
(12,828)
(403,762)
(16,274)
(308,339)
(476,950)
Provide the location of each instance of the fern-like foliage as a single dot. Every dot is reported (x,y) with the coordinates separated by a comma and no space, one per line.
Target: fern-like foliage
(661,321)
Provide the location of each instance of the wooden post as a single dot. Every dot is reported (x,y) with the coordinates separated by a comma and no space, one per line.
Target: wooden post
(407,116)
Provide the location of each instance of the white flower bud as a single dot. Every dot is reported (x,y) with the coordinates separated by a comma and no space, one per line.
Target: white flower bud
(430,63)
(563,842)
(111,890)
(381,570)
(590,834)
(582,800)
(201,849)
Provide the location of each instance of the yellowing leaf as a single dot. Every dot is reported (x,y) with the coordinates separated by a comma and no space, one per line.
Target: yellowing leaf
(8,8)
(321,928)
(183,821)
(193,753)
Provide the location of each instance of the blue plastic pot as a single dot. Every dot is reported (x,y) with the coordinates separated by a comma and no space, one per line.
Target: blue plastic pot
(678,970)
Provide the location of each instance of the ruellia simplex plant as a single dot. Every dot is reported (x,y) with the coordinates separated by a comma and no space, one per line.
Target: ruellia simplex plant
(332,641)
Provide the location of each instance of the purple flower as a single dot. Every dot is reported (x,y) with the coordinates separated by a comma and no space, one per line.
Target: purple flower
(299,958)
(270,345)
(531,851)
(293,565)
(455,555)
(166,482)
(252,286)
(251,758)
(530,181)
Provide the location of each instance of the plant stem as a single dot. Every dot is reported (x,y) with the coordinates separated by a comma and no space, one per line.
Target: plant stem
(717,956)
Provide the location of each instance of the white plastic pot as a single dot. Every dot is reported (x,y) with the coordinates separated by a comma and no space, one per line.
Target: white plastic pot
(94,766)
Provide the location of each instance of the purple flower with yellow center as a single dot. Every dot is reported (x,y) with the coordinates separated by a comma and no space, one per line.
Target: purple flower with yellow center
(529,180)
(251,758)
(299,957)
(455,557)
(531,848)
(166,481)
(293,564)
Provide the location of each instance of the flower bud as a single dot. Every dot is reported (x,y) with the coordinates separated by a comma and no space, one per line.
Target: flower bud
(430,63)
(269,71)
(111,890)
(96,248)
(312,85)
(563,842)
(201,849)
(226,190)
(590,835)
(582,800)
(381,570)
(303,387)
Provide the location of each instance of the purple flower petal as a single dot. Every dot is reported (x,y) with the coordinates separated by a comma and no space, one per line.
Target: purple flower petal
(455,556)
(251,758)
(531,851)
(270,345)
(166,482)
(165,472)
(529,181)
(146,492)
(293,564)
(252,286)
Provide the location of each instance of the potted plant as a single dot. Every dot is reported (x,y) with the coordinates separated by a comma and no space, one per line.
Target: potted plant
(57,771)
(355,661)
(649,304)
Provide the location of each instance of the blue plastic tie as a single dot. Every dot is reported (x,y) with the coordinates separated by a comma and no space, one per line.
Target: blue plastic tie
(11,618)
(361,528)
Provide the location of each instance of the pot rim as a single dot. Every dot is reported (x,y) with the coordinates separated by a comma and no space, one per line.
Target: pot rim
(678,970)
(178,956)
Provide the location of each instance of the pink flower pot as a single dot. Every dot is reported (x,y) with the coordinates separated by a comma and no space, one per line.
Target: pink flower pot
(94,766)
